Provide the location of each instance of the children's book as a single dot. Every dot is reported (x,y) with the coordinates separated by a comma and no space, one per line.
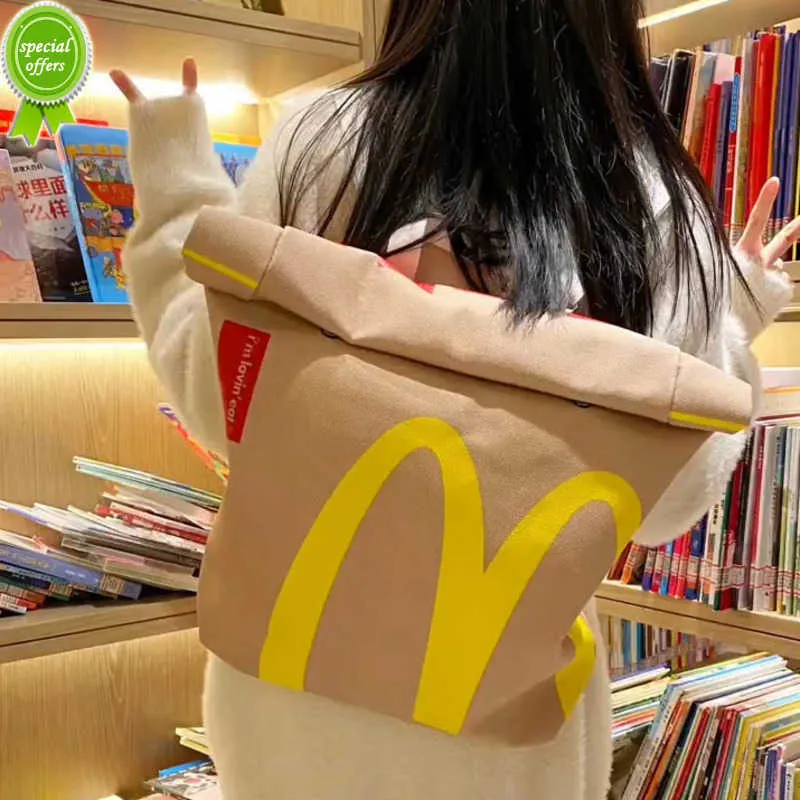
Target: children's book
(101,198)
(52,238)
(17,274)
(100,192)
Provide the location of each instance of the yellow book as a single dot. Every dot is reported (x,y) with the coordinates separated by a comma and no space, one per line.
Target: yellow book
(745,724)
(748,740)
(758,740)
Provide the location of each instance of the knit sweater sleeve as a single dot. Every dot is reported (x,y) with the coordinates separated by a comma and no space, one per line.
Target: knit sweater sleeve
(176,172)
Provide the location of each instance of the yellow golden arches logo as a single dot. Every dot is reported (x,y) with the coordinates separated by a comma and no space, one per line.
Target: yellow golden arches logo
(473,602)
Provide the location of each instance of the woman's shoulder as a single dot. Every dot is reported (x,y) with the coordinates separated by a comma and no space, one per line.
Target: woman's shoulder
(322,116)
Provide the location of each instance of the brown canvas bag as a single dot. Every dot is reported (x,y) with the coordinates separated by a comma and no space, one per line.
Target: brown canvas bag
(422,500)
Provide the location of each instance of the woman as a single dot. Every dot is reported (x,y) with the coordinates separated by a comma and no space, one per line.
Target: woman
(519,141)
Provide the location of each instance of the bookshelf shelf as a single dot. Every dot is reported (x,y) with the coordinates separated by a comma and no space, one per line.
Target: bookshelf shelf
(271,53)
(81,625)
(728,18)
(749,629)
(28,321)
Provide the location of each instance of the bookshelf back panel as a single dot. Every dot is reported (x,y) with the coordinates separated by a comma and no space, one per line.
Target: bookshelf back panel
(97,722)
(97,400)
(779,345)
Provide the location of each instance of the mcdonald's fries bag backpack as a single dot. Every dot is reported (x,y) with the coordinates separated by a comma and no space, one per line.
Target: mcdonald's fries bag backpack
(422,500)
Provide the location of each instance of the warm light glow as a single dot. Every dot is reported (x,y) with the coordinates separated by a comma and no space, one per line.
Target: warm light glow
(221,97)
(72,345)
(679,11)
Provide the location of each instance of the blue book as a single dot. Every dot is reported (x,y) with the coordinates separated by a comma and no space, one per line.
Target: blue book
(780,140)
(698,543)
(236,158)
(14,552)
(792,124)
(101,198)
(37,581)
(663,589)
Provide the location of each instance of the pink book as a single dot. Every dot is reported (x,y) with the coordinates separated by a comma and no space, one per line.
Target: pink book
(18,282)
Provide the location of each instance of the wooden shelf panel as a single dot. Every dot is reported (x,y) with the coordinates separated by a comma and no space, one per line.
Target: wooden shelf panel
(754,630)
(66,321)
(727,19)
(268,53)
(75,626)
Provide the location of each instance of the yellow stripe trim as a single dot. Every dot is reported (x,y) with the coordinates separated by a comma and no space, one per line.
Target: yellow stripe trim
(233,274)
(706,422)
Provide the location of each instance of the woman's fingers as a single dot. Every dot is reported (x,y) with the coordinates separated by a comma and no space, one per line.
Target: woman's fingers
(753,237)
(788,235)
(190,76)
(126,86)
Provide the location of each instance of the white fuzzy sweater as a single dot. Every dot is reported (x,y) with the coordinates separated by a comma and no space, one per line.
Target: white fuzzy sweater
(270,744)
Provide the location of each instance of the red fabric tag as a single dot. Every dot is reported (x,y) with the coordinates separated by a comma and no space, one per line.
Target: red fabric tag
(241,354)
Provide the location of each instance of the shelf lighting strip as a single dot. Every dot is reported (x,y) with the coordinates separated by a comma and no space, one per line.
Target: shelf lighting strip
(679,11)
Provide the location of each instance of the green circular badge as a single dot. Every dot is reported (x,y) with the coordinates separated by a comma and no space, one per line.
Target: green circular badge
(46,57)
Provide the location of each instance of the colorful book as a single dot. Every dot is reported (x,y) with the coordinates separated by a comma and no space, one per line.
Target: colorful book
(17,274)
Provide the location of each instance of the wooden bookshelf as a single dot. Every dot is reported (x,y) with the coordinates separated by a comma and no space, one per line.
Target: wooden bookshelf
(29,321)
(726,19)
(76,626)
(273,53)
(750,629)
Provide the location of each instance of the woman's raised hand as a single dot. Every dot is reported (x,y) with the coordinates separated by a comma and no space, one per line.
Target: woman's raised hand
(131,90)
(752,246)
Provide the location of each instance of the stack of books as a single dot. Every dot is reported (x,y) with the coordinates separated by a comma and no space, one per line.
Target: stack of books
(728,731)
(635,646)
(635,700)
(195,739)
(744,554)
(194,781)
(736,105)
(144,532)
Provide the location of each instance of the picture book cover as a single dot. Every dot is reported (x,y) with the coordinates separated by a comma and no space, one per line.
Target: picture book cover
(101,198)
(17,274)
(100,192)
(236,158)
(42,193)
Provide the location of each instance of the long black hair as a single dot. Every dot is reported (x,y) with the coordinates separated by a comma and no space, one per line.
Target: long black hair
(523,127)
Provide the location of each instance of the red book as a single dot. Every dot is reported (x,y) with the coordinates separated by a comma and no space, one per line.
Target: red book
(760,132)
(709,152)
(759,479)
(675,566)
(686,551)
(730,169)
(728,592)
(634,563)
(658,570)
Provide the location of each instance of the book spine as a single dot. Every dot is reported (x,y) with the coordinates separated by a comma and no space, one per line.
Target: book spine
(721,145)
(633,563)
(12,604)
(731,532)
(669,551)
(675,567)
(733,127)
(22,593)
(683,569)
(649,567)
(698,537)
(707,156)
(658,569)
(761,118)
(47,566)
(743,139)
